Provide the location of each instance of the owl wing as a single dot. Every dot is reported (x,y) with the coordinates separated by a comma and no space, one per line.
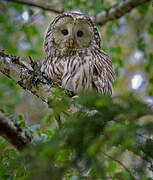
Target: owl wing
(103,75)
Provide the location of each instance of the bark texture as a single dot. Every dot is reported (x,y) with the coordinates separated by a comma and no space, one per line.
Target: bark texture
(117,11)
(13,133)
(41,5)
(28,77)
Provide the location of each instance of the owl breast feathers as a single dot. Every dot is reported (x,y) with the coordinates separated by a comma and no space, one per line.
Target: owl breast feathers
(73,56)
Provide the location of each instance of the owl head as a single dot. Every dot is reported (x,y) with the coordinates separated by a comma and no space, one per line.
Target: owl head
(71,31)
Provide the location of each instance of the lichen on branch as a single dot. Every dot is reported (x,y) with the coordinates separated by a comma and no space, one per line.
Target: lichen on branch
(28,77)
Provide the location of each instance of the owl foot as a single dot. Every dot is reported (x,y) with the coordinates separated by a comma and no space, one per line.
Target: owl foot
(70,93)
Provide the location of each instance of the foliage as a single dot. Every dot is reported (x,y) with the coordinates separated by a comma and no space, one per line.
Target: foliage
(107,138)
(93,143)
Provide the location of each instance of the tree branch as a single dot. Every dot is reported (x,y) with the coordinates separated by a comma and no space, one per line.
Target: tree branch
(117,11)
(40,5)
(27,77)
(13,133)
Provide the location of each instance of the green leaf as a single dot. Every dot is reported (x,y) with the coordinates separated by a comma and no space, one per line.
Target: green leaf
(112,166)
(48,132)
(150,28)
(48,118)
(3,144)
(20,117)
(19,7)
(144,8)
(151,80)
(31,12)
(117,50)
(141,44)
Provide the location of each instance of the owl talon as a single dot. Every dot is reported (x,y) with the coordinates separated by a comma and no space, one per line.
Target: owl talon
(35,65)
(49,80)
(70,93)
(31,61)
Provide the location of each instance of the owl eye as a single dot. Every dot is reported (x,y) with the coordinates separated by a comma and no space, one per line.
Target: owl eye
(65,32)
(79,33)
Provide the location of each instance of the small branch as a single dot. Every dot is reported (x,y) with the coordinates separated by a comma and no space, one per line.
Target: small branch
(27,77)
(119,162)
(117,11)
(13,134)
(40,5)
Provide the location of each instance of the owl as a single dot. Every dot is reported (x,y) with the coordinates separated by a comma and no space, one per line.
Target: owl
(74,59)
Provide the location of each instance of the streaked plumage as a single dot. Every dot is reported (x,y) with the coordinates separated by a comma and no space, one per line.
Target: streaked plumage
(73,55)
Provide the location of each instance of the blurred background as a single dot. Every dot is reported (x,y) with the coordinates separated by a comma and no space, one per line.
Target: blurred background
(128,41)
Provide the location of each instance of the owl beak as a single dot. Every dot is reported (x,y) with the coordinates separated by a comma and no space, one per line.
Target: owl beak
(70,43)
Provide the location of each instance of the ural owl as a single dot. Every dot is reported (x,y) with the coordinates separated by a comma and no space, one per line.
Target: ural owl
(74,59)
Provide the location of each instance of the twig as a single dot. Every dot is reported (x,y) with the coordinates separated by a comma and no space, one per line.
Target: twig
(117,11)
(40,5)
(119,162)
